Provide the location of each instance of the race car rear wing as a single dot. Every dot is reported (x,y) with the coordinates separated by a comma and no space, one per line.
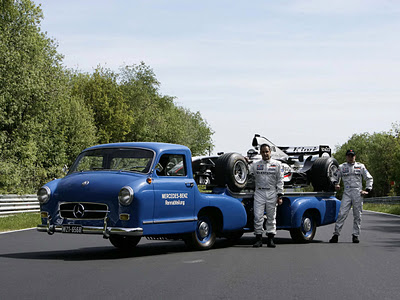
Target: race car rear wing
(307,150)
(291,151)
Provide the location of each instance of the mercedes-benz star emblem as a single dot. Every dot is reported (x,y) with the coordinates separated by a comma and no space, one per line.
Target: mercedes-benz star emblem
(79,211)
(85,183)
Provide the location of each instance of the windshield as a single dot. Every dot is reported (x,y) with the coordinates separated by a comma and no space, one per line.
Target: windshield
(114,159)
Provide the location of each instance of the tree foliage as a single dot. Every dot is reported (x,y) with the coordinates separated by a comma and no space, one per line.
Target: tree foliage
(48,114)
(39,119)
(128,106)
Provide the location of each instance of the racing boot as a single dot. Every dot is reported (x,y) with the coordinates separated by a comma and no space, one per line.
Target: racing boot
(334,239)
(258,242)
(270,240)
(355,239)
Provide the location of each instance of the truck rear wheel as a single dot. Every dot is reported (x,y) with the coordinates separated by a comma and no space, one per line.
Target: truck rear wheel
(306,231)
(231,169)
(124,242)
(323,174)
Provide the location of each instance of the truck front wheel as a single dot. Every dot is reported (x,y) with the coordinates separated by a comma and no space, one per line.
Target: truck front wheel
(204,236)
(124,242)
(306,231)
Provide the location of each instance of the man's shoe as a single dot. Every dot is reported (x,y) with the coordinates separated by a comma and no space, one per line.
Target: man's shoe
(334,239)
(355,239)
(258,242)
(270,241)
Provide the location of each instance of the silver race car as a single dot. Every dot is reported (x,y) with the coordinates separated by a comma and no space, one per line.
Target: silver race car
(302,165)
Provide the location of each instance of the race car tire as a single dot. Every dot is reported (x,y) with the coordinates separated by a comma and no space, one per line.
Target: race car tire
(231,169)
(323,174)
(306,232)
(124,242)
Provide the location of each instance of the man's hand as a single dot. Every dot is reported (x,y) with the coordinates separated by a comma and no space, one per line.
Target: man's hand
(363,193)
(337,187)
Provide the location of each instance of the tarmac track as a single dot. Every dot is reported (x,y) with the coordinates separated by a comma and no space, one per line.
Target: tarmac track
(34,265)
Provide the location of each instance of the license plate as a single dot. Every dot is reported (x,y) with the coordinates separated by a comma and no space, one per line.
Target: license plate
(72,229)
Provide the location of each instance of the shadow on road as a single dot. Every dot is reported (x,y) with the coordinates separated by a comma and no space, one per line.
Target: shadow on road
(142,250)
(250,240)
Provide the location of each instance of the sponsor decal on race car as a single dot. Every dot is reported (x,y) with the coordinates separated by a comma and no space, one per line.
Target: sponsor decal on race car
(302,149)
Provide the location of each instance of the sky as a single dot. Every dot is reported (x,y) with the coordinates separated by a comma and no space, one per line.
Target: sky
(301,72)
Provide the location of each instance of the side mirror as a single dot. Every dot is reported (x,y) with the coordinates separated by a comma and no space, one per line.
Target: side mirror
(65,169)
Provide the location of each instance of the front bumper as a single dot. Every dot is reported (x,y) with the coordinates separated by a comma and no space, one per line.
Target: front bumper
(105,231)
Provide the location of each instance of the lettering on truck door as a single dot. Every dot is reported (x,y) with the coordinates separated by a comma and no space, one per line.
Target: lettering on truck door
(174,191)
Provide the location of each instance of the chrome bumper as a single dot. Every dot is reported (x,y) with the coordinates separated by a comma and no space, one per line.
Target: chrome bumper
(105,231)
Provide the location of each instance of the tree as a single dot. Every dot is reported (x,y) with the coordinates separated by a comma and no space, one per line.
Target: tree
(49,114)
(157,117)
(102,93)
(35,135)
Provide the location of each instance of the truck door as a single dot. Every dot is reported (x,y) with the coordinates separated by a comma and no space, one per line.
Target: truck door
(173,191)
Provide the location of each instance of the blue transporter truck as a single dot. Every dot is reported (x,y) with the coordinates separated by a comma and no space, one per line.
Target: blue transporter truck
(126,191)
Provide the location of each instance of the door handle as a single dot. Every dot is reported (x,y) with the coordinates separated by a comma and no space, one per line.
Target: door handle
(189,184)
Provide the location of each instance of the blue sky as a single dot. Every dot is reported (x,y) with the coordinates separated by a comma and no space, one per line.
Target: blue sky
(298,72)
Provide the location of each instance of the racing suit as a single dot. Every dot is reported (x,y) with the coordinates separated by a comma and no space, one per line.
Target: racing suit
(352,176)
(268,185)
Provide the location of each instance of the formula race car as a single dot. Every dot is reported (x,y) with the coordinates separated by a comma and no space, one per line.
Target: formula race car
(302,166)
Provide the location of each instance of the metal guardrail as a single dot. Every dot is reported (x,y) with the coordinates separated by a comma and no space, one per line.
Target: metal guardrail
(13,204)
(383,200)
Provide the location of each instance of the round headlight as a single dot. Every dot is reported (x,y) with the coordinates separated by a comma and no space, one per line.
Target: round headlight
(43,194)
(125,195)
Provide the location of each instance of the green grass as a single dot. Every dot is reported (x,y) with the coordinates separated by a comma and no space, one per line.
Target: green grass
(385,208)
(19,221)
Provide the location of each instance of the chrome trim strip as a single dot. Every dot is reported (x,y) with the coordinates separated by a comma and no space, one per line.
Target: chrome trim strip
(170,221)
(95,230)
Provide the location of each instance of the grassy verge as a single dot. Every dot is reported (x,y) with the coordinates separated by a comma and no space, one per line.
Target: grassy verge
(385,208)
(19,221)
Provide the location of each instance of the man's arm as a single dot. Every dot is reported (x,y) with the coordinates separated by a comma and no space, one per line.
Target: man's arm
(338,175)
(369,180)
(279,184)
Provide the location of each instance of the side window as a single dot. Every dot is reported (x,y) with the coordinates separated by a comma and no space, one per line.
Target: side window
(173,165)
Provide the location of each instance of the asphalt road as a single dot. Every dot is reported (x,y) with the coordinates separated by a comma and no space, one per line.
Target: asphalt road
(35,265)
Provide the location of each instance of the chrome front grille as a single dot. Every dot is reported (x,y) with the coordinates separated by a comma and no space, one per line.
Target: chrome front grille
(83,210)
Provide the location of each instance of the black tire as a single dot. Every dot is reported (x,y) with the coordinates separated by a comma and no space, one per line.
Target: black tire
(204,236)
(306,232)
(124,242)
(231,169)
(323,174)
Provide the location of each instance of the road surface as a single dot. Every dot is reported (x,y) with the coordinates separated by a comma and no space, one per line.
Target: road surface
(34,265)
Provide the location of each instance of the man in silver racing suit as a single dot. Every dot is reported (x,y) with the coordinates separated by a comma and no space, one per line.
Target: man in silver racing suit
(268,193)
(352,173)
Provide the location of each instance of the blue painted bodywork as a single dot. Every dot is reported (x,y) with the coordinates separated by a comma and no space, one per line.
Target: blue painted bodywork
(167,205)
(149,210)
(325,208)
